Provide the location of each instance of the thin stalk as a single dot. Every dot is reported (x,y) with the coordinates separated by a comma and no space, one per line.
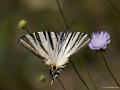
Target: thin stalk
(103,55)
(61,84)
(60,25)
(114,7)
(27,30)
(90,76)
(78,74)
(62,14)
(67,27)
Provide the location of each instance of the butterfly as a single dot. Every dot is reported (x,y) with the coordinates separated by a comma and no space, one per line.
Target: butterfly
(54,48)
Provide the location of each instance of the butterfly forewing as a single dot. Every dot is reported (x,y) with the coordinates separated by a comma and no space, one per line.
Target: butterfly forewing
(40,43)
(79,41)
(73,42)
(27,44)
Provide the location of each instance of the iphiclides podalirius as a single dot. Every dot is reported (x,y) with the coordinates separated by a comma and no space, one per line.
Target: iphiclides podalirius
(54,48)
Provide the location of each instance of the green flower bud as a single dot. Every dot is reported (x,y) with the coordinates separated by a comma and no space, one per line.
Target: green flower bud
(41,78)
(22,24)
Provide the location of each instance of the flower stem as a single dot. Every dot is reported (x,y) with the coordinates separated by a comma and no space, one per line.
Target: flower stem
(95,87)
(62,14)
(103,55)
(114,7)
(67,27)
(61,84)
(27,30)
(79,74)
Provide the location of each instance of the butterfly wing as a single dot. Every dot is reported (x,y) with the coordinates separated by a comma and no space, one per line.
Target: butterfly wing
(71,44)
(54,48)
(41,44)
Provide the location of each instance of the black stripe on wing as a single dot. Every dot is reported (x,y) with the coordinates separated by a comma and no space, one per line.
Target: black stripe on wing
(33,37)
(82,35)
(86,39)
(50,39)
(81,40)
(28,45)
(45,35)
(78,37)
(57,36)
(39,41)
(63,36)
(72,33)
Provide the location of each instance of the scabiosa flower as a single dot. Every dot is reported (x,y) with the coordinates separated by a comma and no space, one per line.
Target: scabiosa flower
(99,41)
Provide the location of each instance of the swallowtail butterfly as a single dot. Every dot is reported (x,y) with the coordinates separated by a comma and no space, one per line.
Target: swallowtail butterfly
(54,48)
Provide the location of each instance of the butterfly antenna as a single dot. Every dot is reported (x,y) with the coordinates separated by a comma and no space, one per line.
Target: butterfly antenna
(61,84)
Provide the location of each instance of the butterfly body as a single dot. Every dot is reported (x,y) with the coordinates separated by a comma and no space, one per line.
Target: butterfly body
(55,71)
(54,48)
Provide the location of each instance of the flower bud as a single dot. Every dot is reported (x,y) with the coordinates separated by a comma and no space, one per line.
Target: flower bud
(22,24)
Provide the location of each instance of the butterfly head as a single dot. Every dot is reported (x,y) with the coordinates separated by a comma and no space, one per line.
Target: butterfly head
(55,71)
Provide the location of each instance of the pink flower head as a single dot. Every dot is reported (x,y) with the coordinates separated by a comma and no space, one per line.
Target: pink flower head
(99,41)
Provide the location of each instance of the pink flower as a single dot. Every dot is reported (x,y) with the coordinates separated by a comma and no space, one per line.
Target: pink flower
(99,41)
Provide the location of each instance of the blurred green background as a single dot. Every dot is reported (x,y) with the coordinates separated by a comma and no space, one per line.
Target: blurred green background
(21,70)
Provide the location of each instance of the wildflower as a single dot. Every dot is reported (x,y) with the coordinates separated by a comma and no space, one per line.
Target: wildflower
(99,41)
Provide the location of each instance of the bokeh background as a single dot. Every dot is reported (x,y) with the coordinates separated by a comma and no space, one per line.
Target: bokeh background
(21,70)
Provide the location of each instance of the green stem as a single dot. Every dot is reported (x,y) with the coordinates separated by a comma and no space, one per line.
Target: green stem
(90,76)
(61,84)
(67,27)
(103,55)
(78,74)
(114,7)
(62,14)
(27,30)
